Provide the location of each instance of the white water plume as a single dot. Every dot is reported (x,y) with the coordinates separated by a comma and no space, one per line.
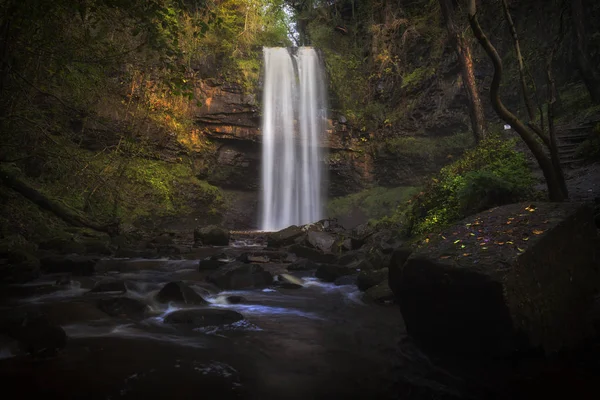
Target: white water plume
(294,117)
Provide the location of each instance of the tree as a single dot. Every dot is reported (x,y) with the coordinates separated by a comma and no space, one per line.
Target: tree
(463,51)
(590,74)
(549,165)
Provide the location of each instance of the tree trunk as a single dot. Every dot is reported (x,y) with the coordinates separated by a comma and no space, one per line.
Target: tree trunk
(513,32)
(555,191)
(11,181)
(463,51)
(591,77)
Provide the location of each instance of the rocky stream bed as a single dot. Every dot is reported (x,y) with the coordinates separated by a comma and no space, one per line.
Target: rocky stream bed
(261,318)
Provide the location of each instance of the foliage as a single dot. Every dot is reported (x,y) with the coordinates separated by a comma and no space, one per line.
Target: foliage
(590,148)
(491,174)
(373,203)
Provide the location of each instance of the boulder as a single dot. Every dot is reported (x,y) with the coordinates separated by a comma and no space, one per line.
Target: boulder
(203,317)
(209,264)
(235,299)
(285,236)
(331,272)
(212,235)
(369,278)
(345,280)
(75,265)
(123,307)
(62,245)
(302,265)
(288,281)
(109,285)
(514,278)
(21,267)
(380,293)
(238,275)
(179,292)
(312,254)
(322,241)
(350,257)
(36,334)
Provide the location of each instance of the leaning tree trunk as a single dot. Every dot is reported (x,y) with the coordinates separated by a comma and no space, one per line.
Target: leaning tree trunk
(589,73)
(31,194)
(463,51)
(555,192)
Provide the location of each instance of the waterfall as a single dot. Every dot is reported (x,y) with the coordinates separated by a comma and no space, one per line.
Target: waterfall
(294,115)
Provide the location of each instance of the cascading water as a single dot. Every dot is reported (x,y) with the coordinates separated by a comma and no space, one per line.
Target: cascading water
(294,116)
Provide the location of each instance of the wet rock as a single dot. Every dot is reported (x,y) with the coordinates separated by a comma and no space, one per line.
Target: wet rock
(321,240)
(75,265)
(63,280)
(345,280)
(312,254)
(96,246)
(180,293)
(62,245)
(37,334)
(399,257)
(235,299)
(302,265)
(212,235)
(520,296)
(72,312)
(369,278)
(124,252)
(380,293)
(21,267)
(109,285)
(331,272)
(350,257)
(123,307)
(204,317)
(237,275)
(285,236)
(209,264)
(287,281)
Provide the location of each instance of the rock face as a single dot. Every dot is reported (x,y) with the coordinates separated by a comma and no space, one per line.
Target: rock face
(36,334)
(178,292)
(516,277)
(212,236)
(238,275)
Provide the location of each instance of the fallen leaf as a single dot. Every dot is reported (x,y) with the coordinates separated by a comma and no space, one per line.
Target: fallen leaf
(444,257)
(510,242)
(500,243)
(472,234)
(520,249)
(484,248)
(466,254)
(537,232)
(456,241)
(462,246)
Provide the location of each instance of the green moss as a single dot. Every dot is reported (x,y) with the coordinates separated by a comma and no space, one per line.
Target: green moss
(426,145)
(416,77)
(374,203)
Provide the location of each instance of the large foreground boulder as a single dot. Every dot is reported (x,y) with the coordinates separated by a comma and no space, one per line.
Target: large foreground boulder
(212,235)
(517,277)
(238,275)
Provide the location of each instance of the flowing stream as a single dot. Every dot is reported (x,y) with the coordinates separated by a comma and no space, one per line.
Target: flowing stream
(294,115)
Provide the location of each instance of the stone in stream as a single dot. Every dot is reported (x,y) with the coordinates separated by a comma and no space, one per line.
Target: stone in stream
(331,272)
(209,264)
(109,285)
(528,287)
(235,299)
(180,293)
(312,254)
(369,278)
(203,317)
(75,265)
(380,293)
(285,236)
(123,307)
(321,240)
(36,334)
(345,280)
(302,265)
(238,275)
(212,235)
(287,281)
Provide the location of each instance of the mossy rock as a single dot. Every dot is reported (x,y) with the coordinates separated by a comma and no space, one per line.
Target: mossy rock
(212,235)
(96,246)
(63,245)
(21,267)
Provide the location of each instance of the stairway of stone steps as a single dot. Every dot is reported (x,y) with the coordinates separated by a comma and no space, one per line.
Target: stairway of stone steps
(568,139)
